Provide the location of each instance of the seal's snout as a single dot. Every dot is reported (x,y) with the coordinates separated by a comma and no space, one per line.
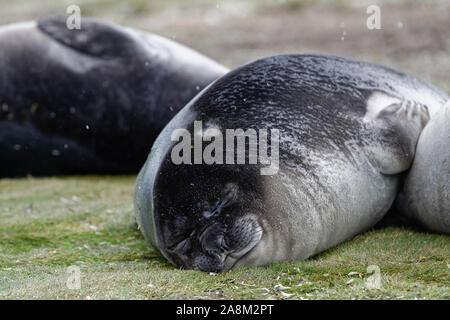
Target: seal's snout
(217,248)
(204,250)
(228,245)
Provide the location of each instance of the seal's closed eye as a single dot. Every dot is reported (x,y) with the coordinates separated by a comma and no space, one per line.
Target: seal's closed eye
(229,196)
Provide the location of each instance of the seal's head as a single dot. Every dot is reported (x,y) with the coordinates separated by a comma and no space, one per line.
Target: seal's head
(210,217)
(206,217)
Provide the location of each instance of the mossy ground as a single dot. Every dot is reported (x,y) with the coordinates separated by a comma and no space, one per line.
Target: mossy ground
(49,224)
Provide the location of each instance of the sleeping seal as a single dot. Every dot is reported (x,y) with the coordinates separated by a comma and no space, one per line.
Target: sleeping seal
(425,196)
(346,129)
(90,100)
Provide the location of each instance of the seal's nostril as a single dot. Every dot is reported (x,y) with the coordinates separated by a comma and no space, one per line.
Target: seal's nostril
(211,238)
(224,245)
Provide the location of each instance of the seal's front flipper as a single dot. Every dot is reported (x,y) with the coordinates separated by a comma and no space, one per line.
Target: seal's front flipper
(397,129)
(94,38)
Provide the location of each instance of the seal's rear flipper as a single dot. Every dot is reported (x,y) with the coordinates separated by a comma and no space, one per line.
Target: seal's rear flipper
(397,128)
(94,38)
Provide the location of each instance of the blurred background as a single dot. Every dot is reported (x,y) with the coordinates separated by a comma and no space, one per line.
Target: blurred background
(414,35)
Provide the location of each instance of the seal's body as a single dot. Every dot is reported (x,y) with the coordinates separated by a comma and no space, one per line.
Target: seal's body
(347,130)
(425,196)
(90,100)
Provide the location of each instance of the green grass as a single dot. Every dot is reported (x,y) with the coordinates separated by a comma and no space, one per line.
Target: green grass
(47,225)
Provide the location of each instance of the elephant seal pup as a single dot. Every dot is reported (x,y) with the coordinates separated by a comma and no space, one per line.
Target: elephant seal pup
(346,129)
(90,100)
(425,195)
